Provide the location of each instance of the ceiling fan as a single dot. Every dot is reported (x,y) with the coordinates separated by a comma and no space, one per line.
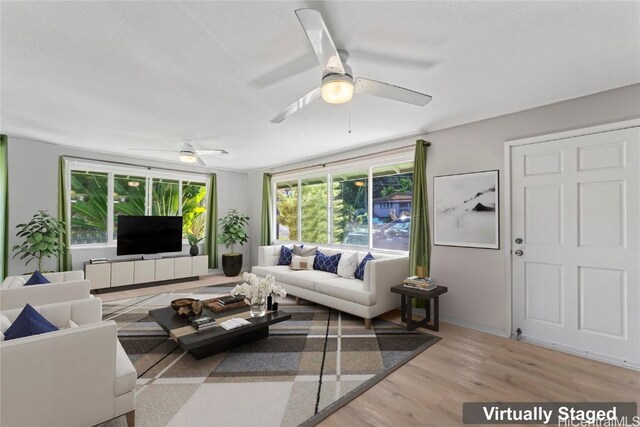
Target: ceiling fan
(188,153)
(338,84)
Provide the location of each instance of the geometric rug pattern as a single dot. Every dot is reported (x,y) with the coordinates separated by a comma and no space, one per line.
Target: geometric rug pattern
(304,370)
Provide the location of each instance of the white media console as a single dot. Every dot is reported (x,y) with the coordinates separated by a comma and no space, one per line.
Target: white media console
(116,273)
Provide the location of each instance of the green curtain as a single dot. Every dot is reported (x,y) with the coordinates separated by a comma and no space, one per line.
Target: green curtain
(265,235)
(64,260)
(212,222)
(420,240)
(4,207)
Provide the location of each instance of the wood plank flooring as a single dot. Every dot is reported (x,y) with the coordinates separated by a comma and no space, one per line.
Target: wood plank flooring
(465,366)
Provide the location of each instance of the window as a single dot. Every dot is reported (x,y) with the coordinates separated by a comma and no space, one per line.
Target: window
(88,200)
(368,207)
(287,211)
(100,193)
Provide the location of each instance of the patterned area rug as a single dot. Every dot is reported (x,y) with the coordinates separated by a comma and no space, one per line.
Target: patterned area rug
(307,368)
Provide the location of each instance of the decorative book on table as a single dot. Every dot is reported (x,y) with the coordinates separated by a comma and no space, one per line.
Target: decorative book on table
(228,300)
(423,283)
(202,322)
(234,323)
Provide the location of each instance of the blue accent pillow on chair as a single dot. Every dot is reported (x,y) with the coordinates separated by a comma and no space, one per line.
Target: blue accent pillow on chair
(29,322)
(285,256)
(328,263)
(36,279)
(360,269)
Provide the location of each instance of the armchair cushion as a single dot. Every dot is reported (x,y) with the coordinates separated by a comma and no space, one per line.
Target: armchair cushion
(36,279)
(29,322)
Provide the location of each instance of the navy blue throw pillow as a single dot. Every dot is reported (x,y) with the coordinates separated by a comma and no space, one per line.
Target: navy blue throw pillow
(360,269)
(285,256)
(24,327)
(328,263)
(36,279)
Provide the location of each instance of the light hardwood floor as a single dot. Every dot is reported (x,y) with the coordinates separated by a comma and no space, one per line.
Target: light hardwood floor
(466,366)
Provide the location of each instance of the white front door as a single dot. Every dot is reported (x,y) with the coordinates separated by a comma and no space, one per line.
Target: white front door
(575,244)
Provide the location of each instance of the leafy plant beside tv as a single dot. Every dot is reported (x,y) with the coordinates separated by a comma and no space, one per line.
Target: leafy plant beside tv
(233,232)
(41,238)
(193,242)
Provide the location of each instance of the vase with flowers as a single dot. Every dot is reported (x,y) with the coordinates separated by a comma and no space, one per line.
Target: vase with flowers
(255,290)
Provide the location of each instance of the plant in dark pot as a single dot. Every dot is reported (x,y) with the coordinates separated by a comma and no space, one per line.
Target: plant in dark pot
(41,238)
(193,242)
(233,232)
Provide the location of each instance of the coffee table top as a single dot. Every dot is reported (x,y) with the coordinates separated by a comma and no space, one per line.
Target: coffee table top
(188,338)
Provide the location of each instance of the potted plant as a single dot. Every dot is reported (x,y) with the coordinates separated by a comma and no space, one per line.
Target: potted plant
(256,290)
(232,232)
(193,242)
(41,238)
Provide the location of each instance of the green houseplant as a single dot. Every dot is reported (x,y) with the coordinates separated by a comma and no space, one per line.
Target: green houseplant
(41,238)
(193,242)
(233,232)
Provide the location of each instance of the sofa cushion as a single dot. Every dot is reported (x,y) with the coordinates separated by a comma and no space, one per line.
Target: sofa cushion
(306,279)
(275,270)
(328,263)
(21,326)
(302,251)
(125,372)
(13,282)
(302,263)
(360,270)
(285,256)
(36,279)
(346,289)
(348,265)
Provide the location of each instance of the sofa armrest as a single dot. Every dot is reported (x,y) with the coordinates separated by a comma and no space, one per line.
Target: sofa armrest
(381,275)
(59,378)
(268,255)
(47,293)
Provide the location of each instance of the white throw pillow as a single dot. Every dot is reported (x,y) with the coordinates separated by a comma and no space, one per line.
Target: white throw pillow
(302,263)
(4,323)
(13,282)
(348,265)
(72,324)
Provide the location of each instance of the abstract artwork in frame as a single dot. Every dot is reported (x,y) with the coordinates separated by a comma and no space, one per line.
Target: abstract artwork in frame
(466,210)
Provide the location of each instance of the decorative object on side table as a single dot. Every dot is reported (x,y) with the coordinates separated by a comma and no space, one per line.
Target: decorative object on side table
(232,232)
(193,242)
(41,238)
(255,290)
(466,211)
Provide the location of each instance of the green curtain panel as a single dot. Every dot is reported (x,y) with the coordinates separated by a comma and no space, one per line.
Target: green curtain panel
(212,222)
(64,260)
(4,207)
(420,240)
(265,235)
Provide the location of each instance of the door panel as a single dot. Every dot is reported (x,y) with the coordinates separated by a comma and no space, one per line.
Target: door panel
(576,205)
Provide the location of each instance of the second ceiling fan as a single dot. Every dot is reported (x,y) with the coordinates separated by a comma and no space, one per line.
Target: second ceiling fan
(338,84)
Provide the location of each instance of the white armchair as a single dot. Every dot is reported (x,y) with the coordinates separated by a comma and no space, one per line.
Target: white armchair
(72,377)
(64,286)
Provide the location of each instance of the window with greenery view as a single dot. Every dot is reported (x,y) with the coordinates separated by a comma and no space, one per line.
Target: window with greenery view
(351,218)
(94,212)
(88,196)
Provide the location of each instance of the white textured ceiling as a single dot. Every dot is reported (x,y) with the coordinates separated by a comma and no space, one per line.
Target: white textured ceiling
(111,76)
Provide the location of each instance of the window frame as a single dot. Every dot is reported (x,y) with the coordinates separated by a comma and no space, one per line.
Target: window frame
(139,172)
(328,171)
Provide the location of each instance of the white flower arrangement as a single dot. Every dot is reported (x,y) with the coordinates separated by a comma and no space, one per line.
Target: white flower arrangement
(255,289)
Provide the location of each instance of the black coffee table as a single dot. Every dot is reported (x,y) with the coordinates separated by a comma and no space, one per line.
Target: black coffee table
(212,341)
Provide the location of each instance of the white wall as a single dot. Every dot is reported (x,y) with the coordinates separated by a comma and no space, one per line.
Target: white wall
(476,277)
(33,185)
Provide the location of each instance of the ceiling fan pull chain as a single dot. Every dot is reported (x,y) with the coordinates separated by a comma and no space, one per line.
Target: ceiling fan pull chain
(349,117)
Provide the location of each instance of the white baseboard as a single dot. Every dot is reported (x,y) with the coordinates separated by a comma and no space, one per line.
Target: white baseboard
(584,353)
(472,325)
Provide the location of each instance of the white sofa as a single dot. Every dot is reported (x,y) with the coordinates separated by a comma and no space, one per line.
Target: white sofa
(71,377)
(64,286)
(366,298)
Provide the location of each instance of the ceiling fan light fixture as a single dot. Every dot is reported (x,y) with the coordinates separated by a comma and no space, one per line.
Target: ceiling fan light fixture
(337,89)
(188,157)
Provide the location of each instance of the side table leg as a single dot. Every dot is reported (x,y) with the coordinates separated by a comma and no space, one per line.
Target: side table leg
(436,314)
(403,308)
(409,314)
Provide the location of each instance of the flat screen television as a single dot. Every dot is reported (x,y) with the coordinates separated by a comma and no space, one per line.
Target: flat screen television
(149,234)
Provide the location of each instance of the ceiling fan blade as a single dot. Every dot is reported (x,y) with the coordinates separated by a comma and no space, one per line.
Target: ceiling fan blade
(385,90)
(211,152)
(200,161)
(321,41)
(152,149)
(305,100)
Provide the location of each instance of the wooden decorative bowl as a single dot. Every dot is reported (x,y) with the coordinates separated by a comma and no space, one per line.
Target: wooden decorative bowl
(183,306)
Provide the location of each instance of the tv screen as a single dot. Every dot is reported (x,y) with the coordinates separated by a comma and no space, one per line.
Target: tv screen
(149,234)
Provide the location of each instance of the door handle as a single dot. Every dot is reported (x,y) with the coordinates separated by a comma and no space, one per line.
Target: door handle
(519,252)
(519,240)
